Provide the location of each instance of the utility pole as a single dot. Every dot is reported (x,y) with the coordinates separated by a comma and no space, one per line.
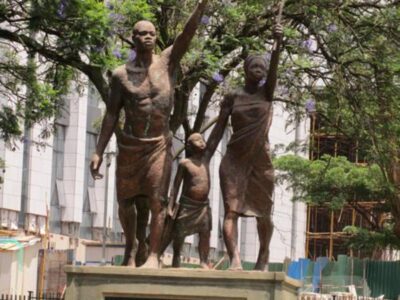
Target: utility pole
(293,239)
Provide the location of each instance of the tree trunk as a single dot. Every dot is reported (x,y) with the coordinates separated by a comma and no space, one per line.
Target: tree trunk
(395,203)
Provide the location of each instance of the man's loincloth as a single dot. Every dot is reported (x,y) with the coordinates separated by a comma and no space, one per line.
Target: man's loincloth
(143,167)
(193,217)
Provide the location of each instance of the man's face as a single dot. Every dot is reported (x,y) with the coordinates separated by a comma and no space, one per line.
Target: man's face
(144,36)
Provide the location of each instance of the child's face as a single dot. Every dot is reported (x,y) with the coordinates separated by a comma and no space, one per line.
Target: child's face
(197,143)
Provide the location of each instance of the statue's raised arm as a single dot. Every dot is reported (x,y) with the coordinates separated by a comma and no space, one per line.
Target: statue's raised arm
(274,62)
(183,40)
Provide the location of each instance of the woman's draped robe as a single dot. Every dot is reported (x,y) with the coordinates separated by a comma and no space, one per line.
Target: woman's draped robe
(246,171)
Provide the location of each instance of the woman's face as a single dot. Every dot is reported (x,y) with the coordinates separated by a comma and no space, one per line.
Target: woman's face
(256,70)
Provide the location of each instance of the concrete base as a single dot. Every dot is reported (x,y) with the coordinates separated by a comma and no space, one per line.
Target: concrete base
(112,283)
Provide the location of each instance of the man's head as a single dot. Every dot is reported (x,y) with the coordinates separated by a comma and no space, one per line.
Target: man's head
(196,143)
(144,36)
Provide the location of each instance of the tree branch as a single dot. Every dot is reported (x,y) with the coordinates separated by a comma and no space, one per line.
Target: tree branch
(94,73)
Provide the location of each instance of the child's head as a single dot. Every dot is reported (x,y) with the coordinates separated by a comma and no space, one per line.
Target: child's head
(195,143)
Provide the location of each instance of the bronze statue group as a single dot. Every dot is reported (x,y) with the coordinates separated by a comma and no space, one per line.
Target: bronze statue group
(143,88)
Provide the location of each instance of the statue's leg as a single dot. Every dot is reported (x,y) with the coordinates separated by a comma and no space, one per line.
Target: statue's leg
(143,210)
(231,240)
(177,246)
(158,213)
(204,248)
(158,207)
(166,238)
(127,216)
(265,228)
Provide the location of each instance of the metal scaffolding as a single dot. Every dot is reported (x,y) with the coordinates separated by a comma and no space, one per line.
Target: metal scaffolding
(325,236)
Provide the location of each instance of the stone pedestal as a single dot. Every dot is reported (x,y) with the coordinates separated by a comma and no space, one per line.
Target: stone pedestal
(112,283)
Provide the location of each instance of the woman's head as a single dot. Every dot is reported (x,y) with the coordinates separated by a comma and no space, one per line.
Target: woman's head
(255,68)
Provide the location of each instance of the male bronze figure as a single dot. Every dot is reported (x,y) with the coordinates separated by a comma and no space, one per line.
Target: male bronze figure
(144,89)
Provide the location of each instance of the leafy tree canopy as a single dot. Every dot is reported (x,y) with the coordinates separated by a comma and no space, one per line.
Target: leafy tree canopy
(372,241)
(334,182)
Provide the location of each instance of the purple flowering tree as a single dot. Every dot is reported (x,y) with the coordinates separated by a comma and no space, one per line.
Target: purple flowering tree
(218,77)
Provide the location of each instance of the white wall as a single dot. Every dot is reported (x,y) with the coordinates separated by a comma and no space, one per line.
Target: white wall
(6,267)
(40,175)
(74,158)
(18,270)
(11,189)
(100,186)
(10,192)
(30,268)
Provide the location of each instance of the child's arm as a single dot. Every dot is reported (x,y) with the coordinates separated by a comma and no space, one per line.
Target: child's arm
(219,128)
(175,189)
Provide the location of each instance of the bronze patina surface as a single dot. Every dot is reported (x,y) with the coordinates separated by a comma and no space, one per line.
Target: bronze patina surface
(143,88)
(246,171)
(193,213)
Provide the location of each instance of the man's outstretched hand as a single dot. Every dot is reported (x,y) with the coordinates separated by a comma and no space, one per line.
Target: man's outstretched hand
(95,166)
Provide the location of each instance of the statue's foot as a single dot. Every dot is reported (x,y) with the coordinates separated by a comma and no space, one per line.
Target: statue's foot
(142,254)
(176,261)
(263,267)
(151,263)
(204,266)
(262,262)
(236,266)
(129,262)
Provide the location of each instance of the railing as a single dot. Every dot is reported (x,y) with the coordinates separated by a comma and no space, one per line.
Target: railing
(31,296)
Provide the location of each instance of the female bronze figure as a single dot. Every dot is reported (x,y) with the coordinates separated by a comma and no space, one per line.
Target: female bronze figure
(246,171)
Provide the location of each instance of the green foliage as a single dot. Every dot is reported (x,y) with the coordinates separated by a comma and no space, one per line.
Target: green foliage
(334,182)
(331,181)
(369,241)
(78,24)
(339,44)
(9,123)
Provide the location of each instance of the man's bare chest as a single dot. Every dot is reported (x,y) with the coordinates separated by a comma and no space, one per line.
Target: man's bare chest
(150,86)
(147,79)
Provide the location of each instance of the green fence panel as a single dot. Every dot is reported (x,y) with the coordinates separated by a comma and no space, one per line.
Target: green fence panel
(275,267)
(383,278)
